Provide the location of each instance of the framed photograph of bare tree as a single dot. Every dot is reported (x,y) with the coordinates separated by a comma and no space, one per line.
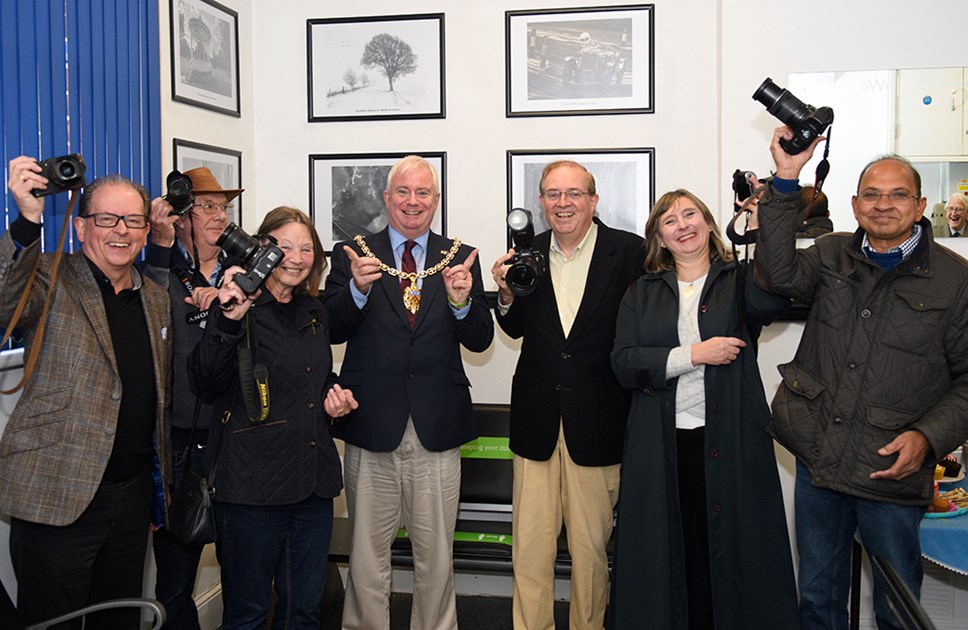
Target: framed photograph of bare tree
(372,68)
(346,193)
(580,61)
(224,164)
(205,55)
(624,181)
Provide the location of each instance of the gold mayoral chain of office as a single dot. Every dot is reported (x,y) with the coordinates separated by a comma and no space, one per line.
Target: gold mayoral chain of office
(411,295)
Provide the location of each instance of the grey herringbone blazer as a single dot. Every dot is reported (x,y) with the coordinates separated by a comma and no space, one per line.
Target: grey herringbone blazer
(57,443)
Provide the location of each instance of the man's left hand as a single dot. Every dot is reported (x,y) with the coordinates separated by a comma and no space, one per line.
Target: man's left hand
(458,280)
(911,448)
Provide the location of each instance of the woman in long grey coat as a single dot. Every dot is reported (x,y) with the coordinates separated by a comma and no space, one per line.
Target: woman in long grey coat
(702,538)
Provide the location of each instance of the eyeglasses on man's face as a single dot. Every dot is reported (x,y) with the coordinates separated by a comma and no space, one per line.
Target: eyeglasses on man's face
(900,197)
(422,194)
(571,195)
(209,207)
(109,220)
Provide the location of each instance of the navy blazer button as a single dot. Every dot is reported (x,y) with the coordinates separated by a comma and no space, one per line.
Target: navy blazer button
(311,405)
(557,387)
(717,507)
(309,369)
(703,309)
(714,453)
(312,443)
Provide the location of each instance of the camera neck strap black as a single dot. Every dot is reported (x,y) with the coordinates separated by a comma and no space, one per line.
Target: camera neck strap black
(253,375)
(823,168)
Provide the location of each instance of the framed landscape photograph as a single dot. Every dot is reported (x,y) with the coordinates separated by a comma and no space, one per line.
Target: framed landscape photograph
(624,180)
(372,68)
(205,55)
(225,165)
(580,61)
(346,193)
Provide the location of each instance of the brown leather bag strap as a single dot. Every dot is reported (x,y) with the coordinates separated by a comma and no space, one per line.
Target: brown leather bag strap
(22,304)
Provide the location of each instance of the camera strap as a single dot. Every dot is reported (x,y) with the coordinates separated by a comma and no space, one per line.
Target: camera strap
(253,376)
(22,304)
(823,168)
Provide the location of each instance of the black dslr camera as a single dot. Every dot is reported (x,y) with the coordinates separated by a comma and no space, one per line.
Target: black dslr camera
(806,121)
(63,173)
(258,260)
(179,193)
(527,265)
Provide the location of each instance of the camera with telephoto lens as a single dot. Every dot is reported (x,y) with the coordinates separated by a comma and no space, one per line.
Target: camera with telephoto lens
(63,173)
(806,121)
(527,265)
(179,193)
(258,260)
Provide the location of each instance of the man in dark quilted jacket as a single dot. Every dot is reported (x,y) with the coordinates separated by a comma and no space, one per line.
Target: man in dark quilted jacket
(878,390)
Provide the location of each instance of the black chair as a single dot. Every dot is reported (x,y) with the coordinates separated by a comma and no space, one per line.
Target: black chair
(11,621)
(902,601)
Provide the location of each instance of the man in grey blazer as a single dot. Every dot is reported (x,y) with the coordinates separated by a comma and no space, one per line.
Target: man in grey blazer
(85,453)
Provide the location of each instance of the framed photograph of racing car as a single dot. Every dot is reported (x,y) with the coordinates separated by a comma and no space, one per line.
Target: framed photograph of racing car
(562,62)
(624,180)
(376,67)
(346,193)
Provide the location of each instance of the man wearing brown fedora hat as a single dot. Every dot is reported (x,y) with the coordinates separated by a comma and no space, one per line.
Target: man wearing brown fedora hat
(184,256)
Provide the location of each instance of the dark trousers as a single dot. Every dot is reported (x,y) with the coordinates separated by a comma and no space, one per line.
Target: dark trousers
(100,556)
(285,543)
(177,561)
(691,464)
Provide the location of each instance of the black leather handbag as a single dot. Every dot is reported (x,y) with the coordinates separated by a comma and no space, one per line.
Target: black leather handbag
(191,518)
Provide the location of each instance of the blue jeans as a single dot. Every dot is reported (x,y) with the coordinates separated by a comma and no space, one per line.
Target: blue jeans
(826,522)
(288,543)
(177,561)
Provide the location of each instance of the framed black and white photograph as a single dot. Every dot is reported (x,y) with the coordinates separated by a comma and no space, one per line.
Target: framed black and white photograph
(372,68)
(580,61)
(224,164)
(624,181)
(205,55)
(346,194)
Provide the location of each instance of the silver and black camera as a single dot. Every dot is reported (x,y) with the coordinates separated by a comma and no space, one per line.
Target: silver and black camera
(63,173)
(527,265)
(806,121)
(179,193)
(259,260)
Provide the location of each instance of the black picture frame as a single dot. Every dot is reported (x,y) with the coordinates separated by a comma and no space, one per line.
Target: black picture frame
(205,55)
(624,179)
(344,81)
(346,193)
(597,60)
(224,164)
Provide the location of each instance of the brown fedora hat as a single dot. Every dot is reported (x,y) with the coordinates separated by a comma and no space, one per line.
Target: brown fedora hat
(203,182)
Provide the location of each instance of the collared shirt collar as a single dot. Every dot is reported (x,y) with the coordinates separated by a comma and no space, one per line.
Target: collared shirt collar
(216,270)
(905,248)
(397,240)
(557,250)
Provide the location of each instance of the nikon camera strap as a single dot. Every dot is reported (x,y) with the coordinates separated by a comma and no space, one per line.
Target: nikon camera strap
(253,377)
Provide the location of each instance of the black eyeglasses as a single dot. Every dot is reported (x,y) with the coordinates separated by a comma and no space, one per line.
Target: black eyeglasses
(109,220)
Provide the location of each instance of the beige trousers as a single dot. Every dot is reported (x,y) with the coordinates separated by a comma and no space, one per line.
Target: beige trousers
(544,494)
(420,490)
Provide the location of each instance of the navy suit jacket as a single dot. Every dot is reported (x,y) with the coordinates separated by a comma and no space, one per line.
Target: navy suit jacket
(569,381)
(396,373)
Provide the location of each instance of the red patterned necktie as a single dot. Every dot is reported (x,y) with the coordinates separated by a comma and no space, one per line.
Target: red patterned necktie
(409,266)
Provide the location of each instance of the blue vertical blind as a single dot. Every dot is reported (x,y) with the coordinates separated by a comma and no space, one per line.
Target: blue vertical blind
(80,76)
